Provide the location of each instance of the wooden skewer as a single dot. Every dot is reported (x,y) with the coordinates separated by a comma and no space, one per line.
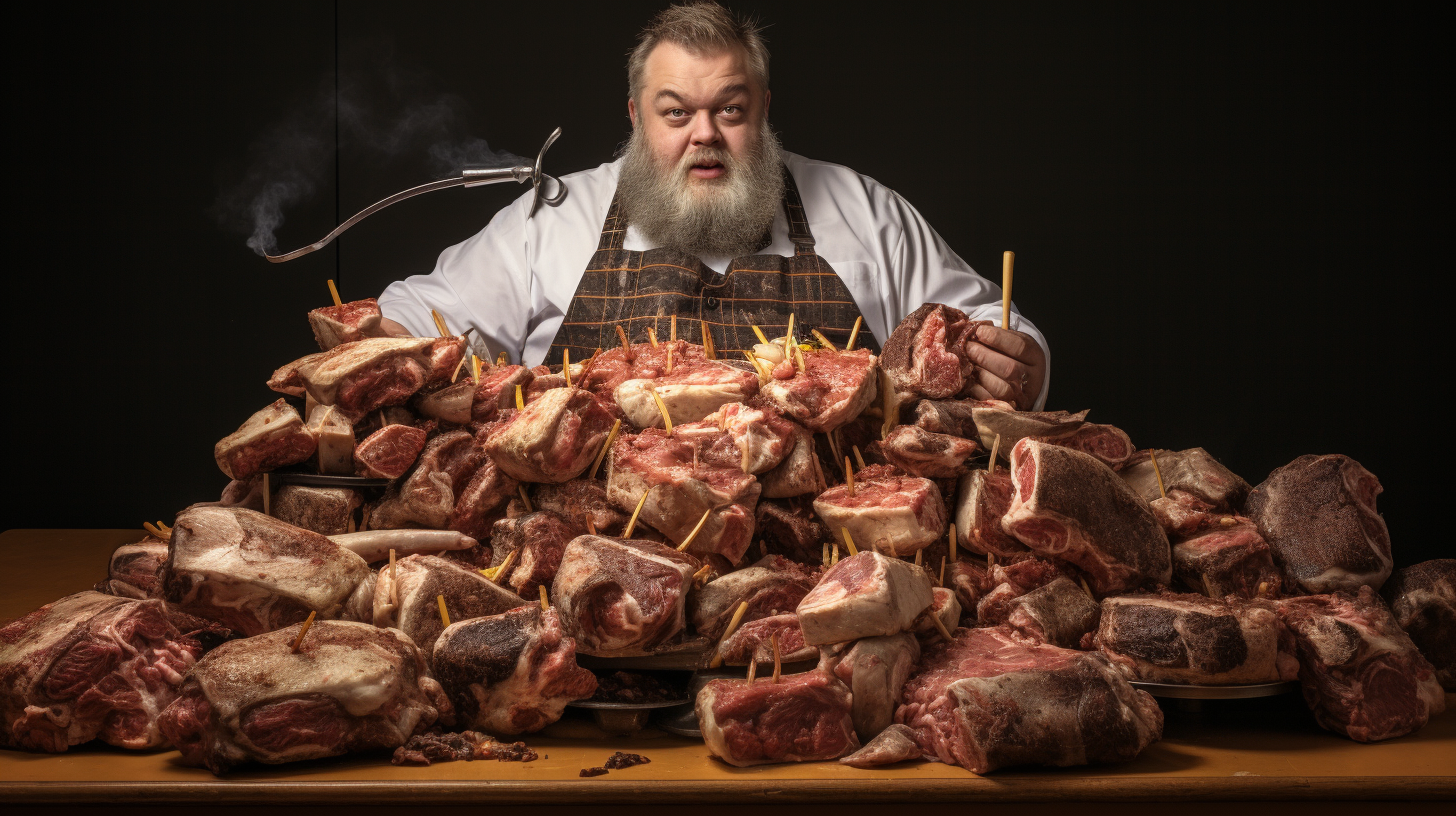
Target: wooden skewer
(606,446)
(672,330)
(440,323)
(823,341)
(545,603)
(834,555)
(789,335)
(1208,587)
(759,332)
(566,365)
(854,333)
(774,639)
(393,580)
(505,567)
(652,336)
(825,558)
(298,641)
(1157,471)
(752,667)
(849,476)
(626,347)
(632,522)
(267,494)
(662,407)
(849,541)
(732,627)
(520,399)
(526,500)
(668,368)
(444,613)
(334,293)
(155,531)
(753,361)
(1088,589)
(1007,260)
(708,350)
(799,355)
(702,573)
(502,358)
(591,526)
(940,624)
(919,561)
(833,446)
(455,375)
(744,464)
(475,367)
(995,449)
(858,457)
(683,547)
(941,581)
(953,543)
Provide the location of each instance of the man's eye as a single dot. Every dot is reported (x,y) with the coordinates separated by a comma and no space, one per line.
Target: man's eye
(731,109)
(675,112)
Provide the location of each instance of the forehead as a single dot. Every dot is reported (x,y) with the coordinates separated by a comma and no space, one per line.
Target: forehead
(670,67)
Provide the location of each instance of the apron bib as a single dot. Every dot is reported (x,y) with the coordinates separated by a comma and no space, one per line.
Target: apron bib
(638,289)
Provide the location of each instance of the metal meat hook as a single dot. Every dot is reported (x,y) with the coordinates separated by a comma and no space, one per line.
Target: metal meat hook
(469,177)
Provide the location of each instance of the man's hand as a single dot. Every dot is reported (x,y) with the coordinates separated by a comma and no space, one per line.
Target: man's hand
(1010,366)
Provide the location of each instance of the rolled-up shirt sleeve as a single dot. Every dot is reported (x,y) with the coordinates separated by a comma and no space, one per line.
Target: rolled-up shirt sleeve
(483,283)
(924,269)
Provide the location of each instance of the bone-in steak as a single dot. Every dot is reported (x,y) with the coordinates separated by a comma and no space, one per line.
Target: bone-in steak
(932,455)
(389,452)
(875,669)
(510,673)
(753,641)
(1191,471)
(271,438)
(363,375)
(349,688)
(691,391)
(1171,638)
(769,587)
(345,323)
(889,511)
(538,539)
(926,354)
(982,499)
(90,666)
(1423,599)
(1318,514)
(406,597)
(1059,613)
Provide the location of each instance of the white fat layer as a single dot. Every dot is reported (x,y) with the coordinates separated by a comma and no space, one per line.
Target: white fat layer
(896,593)
(893,530)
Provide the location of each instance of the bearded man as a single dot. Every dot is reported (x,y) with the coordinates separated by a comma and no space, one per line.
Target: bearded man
(703,215)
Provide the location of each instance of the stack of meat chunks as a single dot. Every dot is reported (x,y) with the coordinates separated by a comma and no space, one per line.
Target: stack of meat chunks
(832,514)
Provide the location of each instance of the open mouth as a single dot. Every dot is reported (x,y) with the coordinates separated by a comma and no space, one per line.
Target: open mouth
(707,169)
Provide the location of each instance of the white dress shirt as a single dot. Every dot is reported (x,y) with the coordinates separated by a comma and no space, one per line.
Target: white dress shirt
(513,280)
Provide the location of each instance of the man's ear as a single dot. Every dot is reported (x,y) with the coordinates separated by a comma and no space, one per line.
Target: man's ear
(632,112)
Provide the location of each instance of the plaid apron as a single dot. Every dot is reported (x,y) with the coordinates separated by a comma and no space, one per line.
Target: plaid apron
(638,289)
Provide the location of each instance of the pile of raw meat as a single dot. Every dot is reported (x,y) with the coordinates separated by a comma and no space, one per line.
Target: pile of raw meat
(970,583)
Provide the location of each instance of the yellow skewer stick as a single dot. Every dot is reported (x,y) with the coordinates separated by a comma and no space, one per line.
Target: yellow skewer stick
(334,292)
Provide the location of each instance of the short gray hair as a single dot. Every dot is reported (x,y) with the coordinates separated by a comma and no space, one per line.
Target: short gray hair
(701,28)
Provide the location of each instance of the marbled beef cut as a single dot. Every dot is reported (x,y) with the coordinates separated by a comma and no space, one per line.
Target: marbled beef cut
(919,452)
(833,388)
(865,595)
(889,511)
(406,597)
(270,439)
(1172,638)
(802,718)
(875,669)
(926,354)
(345,323)
(389,452)
(622,597)
(1423,599)
(360,376)
(553,439)
(982,499)
(538,539)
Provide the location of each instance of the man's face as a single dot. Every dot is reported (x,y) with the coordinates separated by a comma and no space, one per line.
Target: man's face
(692,106)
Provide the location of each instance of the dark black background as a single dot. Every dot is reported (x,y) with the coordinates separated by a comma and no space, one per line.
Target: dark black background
(1229,220)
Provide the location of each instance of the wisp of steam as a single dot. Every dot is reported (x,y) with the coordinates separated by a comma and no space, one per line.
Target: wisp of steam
(382,112)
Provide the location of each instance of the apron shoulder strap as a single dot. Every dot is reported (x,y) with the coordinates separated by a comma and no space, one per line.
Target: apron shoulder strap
(798,222)
(614,228)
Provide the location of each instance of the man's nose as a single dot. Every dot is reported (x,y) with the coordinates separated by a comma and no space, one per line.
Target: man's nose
(705,130)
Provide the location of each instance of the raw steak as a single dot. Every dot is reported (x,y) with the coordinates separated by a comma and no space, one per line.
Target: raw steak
(753,641)
(270,439)
(90,666)
(496,391)
(968,580)
(427,496)
(334,434)
(134,569)
(1192,471)
(1171,638)
(254,574)
(792,531)
(1068,505)
(582,501)
(989,700)
(553,439)
(538,539)
(510,673)
(760,435)
(448,402)
(478,503)
(683,481)
(889,512)
(799,473)
(406,597)
(1318,515)
(926,354)
(644,361)
(622,597)
(690,392)
(994,417)
(349,688)
(833,388)
(943,605)
(865,595)
(1105,443)
(894,744)
(933,455)
(356,320)
(1423,599)
(1003,582)
(769,587)
(1362,676)
(389,452)
(982,499)
(802,718)
(875,669)
(324,510)
(1227,559)
(361,376)
(1059,613)
(951,417)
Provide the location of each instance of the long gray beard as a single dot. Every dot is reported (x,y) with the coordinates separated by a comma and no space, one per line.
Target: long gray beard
(728,216)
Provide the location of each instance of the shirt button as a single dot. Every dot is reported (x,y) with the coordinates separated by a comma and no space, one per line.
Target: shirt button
(712,303)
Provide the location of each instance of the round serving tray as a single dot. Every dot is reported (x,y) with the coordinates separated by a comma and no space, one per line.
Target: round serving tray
(623,718)
(320,480)
(1183,691)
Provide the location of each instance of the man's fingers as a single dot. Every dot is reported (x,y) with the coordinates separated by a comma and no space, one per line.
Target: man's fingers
(997,363)
(997,387)
(1012,344)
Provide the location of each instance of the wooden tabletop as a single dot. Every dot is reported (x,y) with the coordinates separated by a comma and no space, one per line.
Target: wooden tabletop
(1267,749)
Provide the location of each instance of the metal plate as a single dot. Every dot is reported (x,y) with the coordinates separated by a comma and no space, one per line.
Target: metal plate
(679,657)
(320,480)
(680,721)
(1182,691)
(625,706)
